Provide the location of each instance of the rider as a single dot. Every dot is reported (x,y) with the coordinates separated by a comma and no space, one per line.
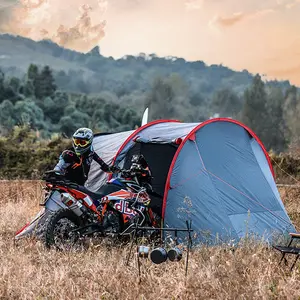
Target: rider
(75,165)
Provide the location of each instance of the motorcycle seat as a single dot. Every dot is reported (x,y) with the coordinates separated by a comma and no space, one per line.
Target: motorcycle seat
(95,196)
(103,191)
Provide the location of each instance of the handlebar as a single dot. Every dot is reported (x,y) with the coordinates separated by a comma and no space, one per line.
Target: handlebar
(133,171)
(54,177)
(126,173)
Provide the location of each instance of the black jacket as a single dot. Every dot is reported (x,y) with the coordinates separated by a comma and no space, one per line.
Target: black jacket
(76,168)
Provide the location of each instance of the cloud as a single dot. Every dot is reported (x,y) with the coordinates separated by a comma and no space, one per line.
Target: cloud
(292,3)
(81,27)
(70,24)
(83,35)
(193,4)
(30,4)
(287,3)
(5,11)
(227,21)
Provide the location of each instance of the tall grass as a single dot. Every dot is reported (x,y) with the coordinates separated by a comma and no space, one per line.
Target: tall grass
(28,271)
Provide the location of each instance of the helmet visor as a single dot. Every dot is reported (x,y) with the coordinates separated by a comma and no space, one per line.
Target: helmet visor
(80,142)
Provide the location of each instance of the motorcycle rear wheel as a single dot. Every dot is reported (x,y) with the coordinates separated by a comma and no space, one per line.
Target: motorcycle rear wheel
(58,233)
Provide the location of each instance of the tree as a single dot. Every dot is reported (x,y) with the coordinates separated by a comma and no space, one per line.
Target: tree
(28,89)
(60,111)
(169,98)
(161,100)
(107,112)
(15,84)
(46,84)
(27,112)
(255,113)
(2,76)
(31,86)
(56,110)
(96,120)
(7,114)
(70,109)
(291,112)
(276,138)
(32,72)
(226,103)
(90,104)
(67,126)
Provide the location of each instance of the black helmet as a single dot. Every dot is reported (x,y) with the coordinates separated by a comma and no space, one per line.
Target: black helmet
(82,140)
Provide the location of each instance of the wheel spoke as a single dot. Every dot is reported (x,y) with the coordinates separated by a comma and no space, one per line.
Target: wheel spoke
(63,238)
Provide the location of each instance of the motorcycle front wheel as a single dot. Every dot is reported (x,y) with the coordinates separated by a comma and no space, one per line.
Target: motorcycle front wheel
(59,230)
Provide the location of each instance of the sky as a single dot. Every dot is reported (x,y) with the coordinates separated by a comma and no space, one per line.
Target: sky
(262,36)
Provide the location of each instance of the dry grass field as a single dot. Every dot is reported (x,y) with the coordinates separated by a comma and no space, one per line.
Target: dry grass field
(28,271)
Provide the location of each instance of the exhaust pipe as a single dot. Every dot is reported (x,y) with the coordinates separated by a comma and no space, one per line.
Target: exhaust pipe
(72,204)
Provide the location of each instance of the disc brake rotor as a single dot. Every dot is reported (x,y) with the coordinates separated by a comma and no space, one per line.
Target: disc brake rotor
(63,238)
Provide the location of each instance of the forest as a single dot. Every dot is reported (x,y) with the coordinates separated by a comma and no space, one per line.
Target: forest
(35,99)
(47,91)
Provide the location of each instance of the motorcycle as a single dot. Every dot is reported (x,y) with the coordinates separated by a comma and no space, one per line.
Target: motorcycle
(120,205)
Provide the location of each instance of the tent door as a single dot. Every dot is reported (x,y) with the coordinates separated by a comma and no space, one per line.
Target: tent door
(159,158)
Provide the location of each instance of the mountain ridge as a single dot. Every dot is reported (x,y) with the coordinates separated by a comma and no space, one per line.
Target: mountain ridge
(17,53)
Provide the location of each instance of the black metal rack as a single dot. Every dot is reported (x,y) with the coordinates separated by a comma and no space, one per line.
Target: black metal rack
(188,230)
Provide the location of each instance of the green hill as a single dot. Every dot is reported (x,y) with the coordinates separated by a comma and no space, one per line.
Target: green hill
(92,72)
(56,90)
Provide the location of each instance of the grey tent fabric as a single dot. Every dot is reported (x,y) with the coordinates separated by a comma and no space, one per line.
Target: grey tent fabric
(106,146)
(261,159)
(220,178)
(160,133)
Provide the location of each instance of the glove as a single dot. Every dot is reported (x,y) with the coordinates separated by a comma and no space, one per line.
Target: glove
(114,169)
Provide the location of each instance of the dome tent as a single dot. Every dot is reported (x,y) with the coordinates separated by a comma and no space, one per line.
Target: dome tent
(217,173)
